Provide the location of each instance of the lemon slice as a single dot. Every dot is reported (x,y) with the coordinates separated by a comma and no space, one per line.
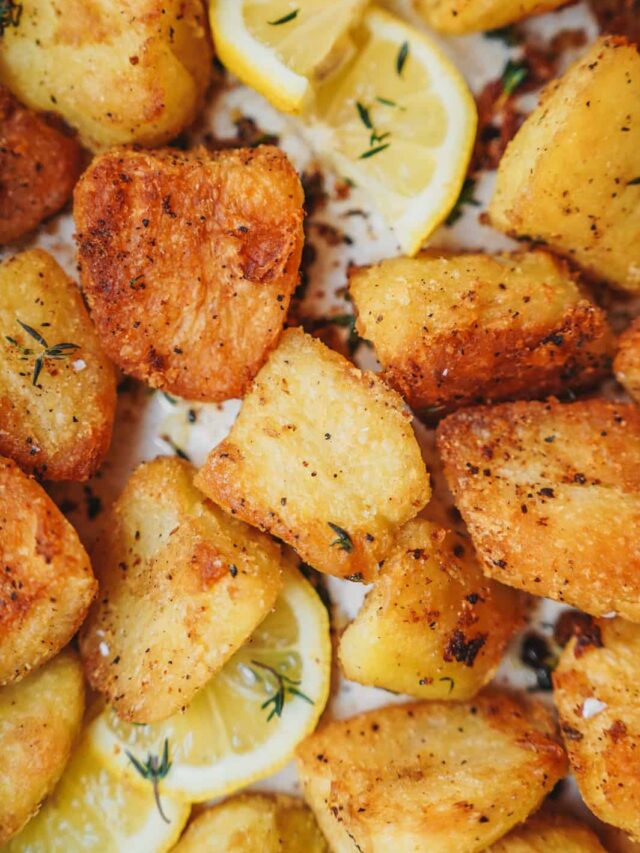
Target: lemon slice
(282,47)
(247,721)
(399,121)
(93,809)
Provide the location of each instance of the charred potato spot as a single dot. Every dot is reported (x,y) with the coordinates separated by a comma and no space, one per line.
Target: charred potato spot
(433,626)
(534,480)
(46,582)
(189,262)
(433,776)
(547,832)
(58,392)
(182,586)
(451,331)
(456,17)
(322,456)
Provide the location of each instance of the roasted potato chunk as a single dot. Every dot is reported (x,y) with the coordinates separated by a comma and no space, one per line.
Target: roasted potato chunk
(457,17)
(570,175)
(322,456)
(39,720)
(535,483)
(251,823)
(118,72)
(464,329)
(39,165)
(626,364)
(46,582)
(432,776)
(182,585)
(597,692)
(57,387)
(546,832)
(189,262)
(432,626)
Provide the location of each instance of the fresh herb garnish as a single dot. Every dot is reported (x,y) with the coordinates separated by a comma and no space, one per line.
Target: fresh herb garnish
(514,75)
(452,683)
(343,541)
(389,103)
(154,770)
(285,18)
(401,58)
(177,450)
(365,118)
(466,197)
(507,35)
(169,398)
(634,182)
(10,14)
(284,686)
(366,154)
(55,351)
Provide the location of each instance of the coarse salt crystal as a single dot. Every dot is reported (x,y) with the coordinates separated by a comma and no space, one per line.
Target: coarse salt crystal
(591,707)
(103,648)
(79,364)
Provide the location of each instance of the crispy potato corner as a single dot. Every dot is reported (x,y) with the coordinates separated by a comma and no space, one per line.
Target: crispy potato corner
(456,17)
(547,832)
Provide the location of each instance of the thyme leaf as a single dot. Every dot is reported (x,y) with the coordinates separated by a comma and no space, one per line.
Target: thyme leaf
(508,35)
(285,18)
(466,197)
(154,769)
(366,154)
(514,75)
(179,452)
(389,103)
(452,683)
(343,541)
(34,334)
(634,182)
(284,686)
(401,58)
(55,351)
(365,118)
(10,14)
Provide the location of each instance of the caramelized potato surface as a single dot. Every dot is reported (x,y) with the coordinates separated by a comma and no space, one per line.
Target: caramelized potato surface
(56,421)
(322,456)
(551,494)
(189,262)
(549,833)
(457,17)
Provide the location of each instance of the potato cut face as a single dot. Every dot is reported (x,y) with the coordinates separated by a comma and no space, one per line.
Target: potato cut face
(597,693)
(432,626)
(182,585)
(626,364)
(467,16)
(58,427)
(464,329)
(322,456)
(432,776)
(46,582)
(189,262)
(40,718)
(117,72)
(549,833)
(39,164)
(535,483)
(569,175)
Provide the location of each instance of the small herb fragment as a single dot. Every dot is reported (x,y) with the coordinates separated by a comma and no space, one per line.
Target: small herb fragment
(365,118)
(514,75)
(10,14)
(389,103)
(179,452)
(56,351)
(285,18)
(634,182)
(401,58)
(466,197)
(366,154)
(448,678)
(154,770)
(284,686)
(507,35)
(343,541)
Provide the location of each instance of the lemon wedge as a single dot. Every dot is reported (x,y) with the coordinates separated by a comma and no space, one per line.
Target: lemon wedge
(93,809)
(400,122)
(282,48)
(247,721)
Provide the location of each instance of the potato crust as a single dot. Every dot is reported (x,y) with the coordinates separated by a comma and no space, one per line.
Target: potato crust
(597,692)
(546,832)
(189,261)
(457,17)
(626,364)
(534,480)
(40,718)
(46,582)
(569,176)
(322,456)
(432,626)
(437,776)
(455,330)
(39,165)
(60,428)
(182,586)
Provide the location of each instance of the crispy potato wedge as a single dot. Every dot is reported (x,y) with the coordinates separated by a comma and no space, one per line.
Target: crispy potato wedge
(626,364)
(451,331)
(432,626)
(58,426)
(39,720)
(46,582)
(546,832)
(182,585)
(534,482)
(189,262)
(254,822)
(457,17)
(39,165)
(569,176)
(322,456)
(432,776)
(118,72)
(597,692)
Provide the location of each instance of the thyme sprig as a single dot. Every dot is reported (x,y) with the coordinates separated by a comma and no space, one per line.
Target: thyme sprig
(10,14)
(55,351)
(285,18)
(343,540)
(374,136)
(154,769)
(284,686)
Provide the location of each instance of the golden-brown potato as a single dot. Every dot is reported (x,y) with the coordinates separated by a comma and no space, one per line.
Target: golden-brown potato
(456,17)
(39,720)
(118,72)
(189,262)
(450,331)
(551,495)
(57,387)
(626,364)
(46,582)
(547,832)
(597,692)
(39,165)
(182,585)
(254,823)
(322,456)
(432,776)
(570,175)
(432,626)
